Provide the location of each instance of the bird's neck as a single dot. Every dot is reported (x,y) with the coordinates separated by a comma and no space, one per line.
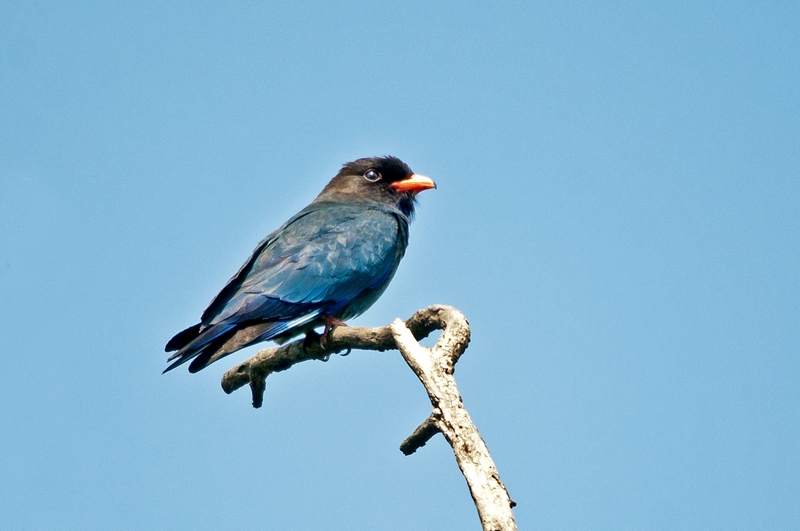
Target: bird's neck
(404,206)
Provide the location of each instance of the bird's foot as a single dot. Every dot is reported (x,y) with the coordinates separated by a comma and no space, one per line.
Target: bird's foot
(330,322)
(322,339)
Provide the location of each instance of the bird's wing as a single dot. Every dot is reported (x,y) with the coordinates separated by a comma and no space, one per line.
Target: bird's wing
(321,260)
(223,297)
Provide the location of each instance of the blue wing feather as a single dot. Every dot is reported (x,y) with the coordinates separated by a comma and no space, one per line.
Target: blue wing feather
(327,257)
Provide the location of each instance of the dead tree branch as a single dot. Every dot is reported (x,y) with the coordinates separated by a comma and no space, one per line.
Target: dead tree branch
(434,368)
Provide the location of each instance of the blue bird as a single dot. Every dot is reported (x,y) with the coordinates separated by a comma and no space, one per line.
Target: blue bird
(328,263)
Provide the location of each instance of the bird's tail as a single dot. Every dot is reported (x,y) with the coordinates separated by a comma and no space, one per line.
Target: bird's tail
(205,344)
(182,338)
(197,342)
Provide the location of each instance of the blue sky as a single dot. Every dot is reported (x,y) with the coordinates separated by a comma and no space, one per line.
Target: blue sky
(617,216)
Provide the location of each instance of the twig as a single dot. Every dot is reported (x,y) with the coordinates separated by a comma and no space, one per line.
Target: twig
(422,434)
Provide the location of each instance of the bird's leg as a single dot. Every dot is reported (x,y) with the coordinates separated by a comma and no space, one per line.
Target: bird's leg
(312,336)
(330,322)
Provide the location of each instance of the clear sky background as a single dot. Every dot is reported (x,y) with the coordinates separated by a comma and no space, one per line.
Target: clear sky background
(618,216)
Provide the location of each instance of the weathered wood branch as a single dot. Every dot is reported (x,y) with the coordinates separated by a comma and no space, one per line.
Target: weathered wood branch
(434,368)
(341,338)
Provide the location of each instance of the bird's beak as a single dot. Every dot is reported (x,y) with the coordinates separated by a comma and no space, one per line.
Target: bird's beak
(414,184)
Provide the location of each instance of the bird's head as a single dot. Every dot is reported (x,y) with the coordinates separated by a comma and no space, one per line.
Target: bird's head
(377,179)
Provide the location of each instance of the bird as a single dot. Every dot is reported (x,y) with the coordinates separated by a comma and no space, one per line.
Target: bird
(328,263)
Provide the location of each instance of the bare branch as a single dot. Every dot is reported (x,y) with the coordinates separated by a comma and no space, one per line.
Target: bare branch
(341,338)
(434,368)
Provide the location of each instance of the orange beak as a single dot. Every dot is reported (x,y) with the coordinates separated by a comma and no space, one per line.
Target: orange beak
(414,184)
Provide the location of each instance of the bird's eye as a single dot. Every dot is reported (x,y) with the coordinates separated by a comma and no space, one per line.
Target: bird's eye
(372,176)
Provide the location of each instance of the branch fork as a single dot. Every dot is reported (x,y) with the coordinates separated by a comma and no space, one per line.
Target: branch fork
(434,367)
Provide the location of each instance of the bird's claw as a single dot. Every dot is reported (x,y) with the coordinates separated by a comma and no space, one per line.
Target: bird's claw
(330,322)
(322,339)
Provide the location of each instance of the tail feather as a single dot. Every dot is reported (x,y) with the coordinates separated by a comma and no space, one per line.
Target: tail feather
(209,340)
(182,360)
(183,338)
(204,347)
(201,361)
(246,334)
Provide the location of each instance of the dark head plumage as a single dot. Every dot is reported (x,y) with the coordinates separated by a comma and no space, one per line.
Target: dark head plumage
(386,180)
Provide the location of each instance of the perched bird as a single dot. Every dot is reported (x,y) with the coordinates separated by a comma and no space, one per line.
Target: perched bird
(328,263)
